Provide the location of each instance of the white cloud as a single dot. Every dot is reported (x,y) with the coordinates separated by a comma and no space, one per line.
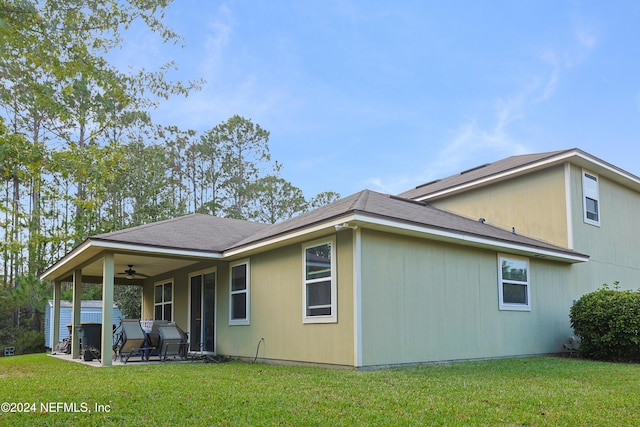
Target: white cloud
(220,31)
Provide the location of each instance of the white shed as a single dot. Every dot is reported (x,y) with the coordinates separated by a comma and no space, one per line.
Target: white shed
(90,311)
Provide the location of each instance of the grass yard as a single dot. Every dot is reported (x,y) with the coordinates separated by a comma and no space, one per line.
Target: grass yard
(542,391)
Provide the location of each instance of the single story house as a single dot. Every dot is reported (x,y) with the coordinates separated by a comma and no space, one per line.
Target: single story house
(483,264)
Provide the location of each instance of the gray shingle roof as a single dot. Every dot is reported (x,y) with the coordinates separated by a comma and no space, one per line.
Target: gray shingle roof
(480,172)
(384,206)
(197,232)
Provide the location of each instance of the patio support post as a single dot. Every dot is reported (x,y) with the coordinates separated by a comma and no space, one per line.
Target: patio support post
(76,303)
(108,272)
(55,336)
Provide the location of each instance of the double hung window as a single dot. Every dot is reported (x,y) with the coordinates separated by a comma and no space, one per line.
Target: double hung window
(319,281)
(513,283)
(239,294)
(591,198)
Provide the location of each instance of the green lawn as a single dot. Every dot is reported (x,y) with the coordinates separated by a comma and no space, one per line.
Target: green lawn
(524,392)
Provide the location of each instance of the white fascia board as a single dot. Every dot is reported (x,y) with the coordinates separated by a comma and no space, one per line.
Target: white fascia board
(89,244)
(289,236)
(155,250)
(469,239)
(363,219)
(65,260)
(608,167)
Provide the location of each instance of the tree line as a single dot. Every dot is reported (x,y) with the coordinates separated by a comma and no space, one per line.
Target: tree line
(81,155)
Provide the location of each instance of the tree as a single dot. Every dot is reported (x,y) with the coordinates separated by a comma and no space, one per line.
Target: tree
(243,148)
(324,198)
(276,200)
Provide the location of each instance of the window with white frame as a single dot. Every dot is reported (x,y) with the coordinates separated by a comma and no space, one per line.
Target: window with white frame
(591,198)
(319,293)
(239,294)
(513,283)
(163,301)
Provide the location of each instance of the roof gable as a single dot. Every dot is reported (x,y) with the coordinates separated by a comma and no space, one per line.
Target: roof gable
(480,173)
(519,165)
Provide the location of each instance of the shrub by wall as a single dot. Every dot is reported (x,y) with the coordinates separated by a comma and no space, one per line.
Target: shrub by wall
(608,323)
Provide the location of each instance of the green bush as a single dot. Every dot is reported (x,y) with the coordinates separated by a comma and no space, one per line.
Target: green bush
(608,323)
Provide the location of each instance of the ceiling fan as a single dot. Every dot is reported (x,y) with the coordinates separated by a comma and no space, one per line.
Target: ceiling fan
(130,273)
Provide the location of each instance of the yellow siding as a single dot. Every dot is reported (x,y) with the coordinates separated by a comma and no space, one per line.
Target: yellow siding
(180,291)
(425,301)
(276,311)
(534,204)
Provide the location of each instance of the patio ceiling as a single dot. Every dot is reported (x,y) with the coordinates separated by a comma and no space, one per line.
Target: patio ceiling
(89,260)
(142,264)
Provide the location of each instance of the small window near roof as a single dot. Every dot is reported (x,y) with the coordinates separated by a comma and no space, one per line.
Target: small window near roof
(513,283)
(591,198)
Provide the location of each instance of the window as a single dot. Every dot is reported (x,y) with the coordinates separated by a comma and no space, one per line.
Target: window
(319,293)
(591,196)
(239,294)
(513,283)
(163,299)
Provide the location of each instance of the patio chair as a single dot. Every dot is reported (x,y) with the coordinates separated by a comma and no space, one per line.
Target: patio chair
(131,340)
(173,341)
(153,336)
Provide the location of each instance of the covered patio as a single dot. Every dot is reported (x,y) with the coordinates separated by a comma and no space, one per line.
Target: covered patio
(138,256)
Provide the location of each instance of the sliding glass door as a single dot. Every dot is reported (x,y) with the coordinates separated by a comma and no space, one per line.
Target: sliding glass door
(202,312)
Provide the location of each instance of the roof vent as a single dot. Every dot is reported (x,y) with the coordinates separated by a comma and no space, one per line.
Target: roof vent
(474,169)
(428,183)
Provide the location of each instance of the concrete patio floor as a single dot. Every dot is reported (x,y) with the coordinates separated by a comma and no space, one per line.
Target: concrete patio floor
(133,361)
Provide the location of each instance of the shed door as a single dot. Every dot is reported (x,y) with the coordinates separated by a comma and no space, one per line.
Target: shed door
(202,313)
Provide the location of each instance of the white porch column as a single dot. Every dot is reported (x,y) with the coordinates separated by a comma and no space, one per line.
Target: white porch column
(107,309)
(55,336)
(76,303)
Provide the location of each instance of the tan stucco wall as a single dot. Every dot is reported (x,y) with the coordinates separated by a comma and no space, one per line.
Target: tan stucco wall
(425,301)
(534,204)
(276,311)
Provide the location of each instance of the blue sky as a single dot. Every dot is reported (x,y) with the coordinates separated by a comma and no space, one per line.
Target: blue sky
(389,95)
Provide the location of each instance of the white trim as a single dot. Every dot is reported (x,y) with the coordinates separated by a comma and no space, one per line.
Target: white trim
(173,298)
(333,317)
(64,261)
(590,190)
(50,274)
(247,319)
(329,225)
(609,168)
(213,270)
(513,306)
(569,204)
(476,241)
(357,297)
(155,250)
